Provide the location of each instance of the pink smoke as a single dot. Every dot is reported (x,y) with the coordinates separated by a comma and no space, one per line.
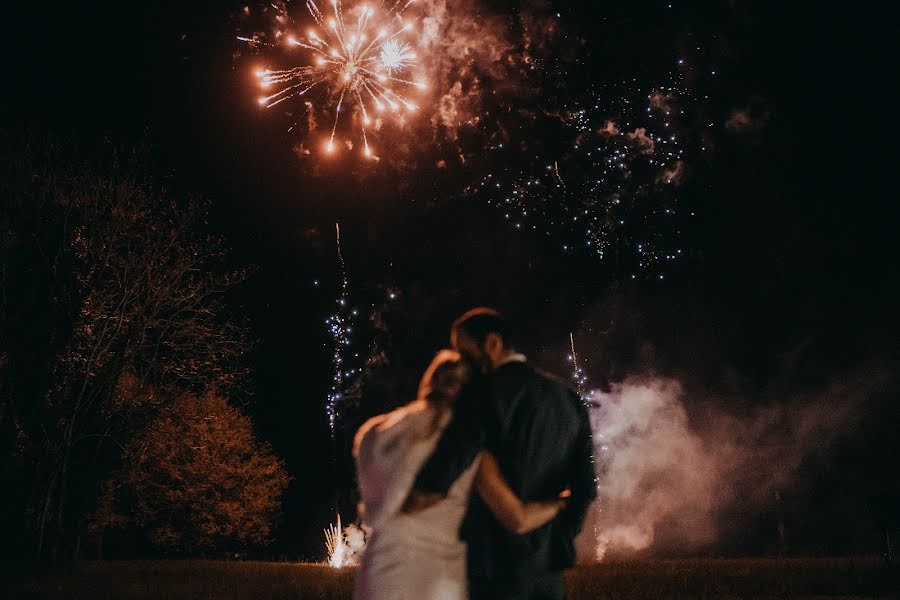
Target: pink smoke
(667,477)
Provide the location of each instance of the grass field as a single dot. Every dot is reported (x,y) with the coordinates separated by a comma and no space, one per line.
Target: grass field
(683,578)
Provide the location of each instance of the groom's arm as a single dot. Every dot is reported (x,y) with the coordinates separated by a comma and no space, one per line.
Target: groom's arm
(455,451)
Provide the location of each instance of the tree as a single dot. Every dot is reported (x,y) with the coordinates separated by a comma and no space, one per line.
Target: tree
(108,279)
(196,479)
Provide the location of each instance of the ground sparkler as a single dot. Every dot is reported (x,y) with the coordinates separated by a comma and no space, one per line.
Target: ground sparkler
(336,545)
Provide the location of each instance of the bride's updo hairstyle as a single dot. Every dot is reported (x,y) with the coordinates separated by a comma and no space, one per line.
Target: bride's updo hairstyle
(444,379)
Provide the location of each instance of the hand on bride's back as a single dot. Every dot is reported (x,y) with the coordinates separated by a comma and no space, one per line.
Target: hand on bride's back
(562,500)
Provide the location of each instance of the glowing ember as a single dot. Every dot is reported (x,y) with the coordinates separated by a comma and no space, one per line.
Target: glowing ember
(361,56)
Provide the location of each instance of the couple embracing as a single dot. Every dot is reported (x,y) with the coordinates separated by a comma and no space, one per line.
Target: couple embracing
(477,488)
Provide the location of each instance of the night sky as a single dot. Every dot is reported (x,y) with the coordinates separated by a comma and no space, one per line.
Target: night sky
(786,281)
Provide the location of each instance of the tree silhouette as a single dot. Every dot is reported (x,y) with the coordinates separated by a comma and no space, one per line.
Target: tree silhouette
(108,281)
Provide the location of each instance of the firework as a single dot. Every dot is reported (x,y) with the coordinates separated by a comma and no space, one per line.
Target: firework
(340,326)
(350,368)
(344,545)
(336,545)
(612,191)
(579,378)
(359,60)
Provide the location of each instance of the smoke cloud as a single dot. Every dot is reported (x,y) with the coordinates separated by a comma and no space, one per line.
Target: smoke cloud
(743,120)
(661,101)
(643,141)
(609,128)
(668,477)
(673,175)
(461,47)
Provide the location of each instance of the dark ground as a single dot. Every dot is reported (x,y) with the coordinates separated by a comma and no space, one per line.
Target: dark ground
(684,578)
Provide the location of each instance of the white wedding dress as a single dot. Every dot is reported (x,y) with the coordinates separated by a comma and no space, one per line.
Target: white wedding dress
(408,556)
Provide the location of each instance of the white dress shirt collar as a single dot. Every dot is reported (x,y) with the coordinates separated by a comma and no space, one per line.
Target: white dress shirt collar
(514,357)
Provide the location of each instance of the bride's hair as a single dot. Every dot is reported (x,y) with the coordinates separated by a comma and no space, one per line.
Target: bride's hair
(443,380)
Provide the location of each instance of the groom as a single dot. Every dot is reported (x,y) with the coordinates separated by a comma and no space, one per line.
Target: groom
(539,431)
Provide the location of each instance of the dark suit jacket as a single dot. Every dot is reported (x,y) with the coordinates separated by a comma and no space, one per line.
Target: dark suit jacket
(539,431)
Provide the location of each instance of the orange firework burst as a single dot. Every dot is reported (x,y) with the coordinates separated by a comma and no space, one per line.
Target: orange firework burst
(365,60)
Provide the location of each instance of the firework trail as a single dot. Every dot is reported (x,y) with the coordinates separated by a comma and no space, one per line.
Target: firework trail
(579,378)
(359,60)
(340,326)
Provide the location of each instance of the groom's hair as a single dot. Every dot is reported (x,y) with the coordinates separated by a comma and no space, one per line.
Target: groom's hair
(480,322)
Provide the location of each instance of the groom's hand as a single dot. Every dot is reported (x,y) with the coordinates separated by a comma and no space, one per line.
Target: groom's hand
(418,501)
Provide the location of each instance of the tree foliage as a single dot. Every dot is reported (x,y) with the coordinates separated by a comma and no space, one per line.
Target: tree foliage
(196,479)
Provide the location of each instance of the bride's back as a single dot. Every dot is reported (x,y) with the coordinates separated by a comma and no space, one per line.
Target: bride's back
(415,555)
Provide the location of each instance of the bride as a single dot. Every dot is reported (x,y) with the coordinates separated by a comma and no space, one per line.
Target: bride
(419,555)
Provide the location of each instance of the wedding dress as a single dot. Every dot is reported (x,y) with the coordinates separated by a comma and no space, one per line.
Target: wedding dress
(408,556)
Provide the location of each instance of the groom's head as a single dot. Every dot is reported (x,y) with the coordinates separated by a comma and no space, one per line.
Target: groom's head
(483,336)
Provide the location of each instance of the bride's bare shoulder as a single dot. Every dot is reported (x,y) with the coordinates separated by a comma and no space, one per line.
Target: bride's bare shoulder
(365,429)
(413,409)
(388,421)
